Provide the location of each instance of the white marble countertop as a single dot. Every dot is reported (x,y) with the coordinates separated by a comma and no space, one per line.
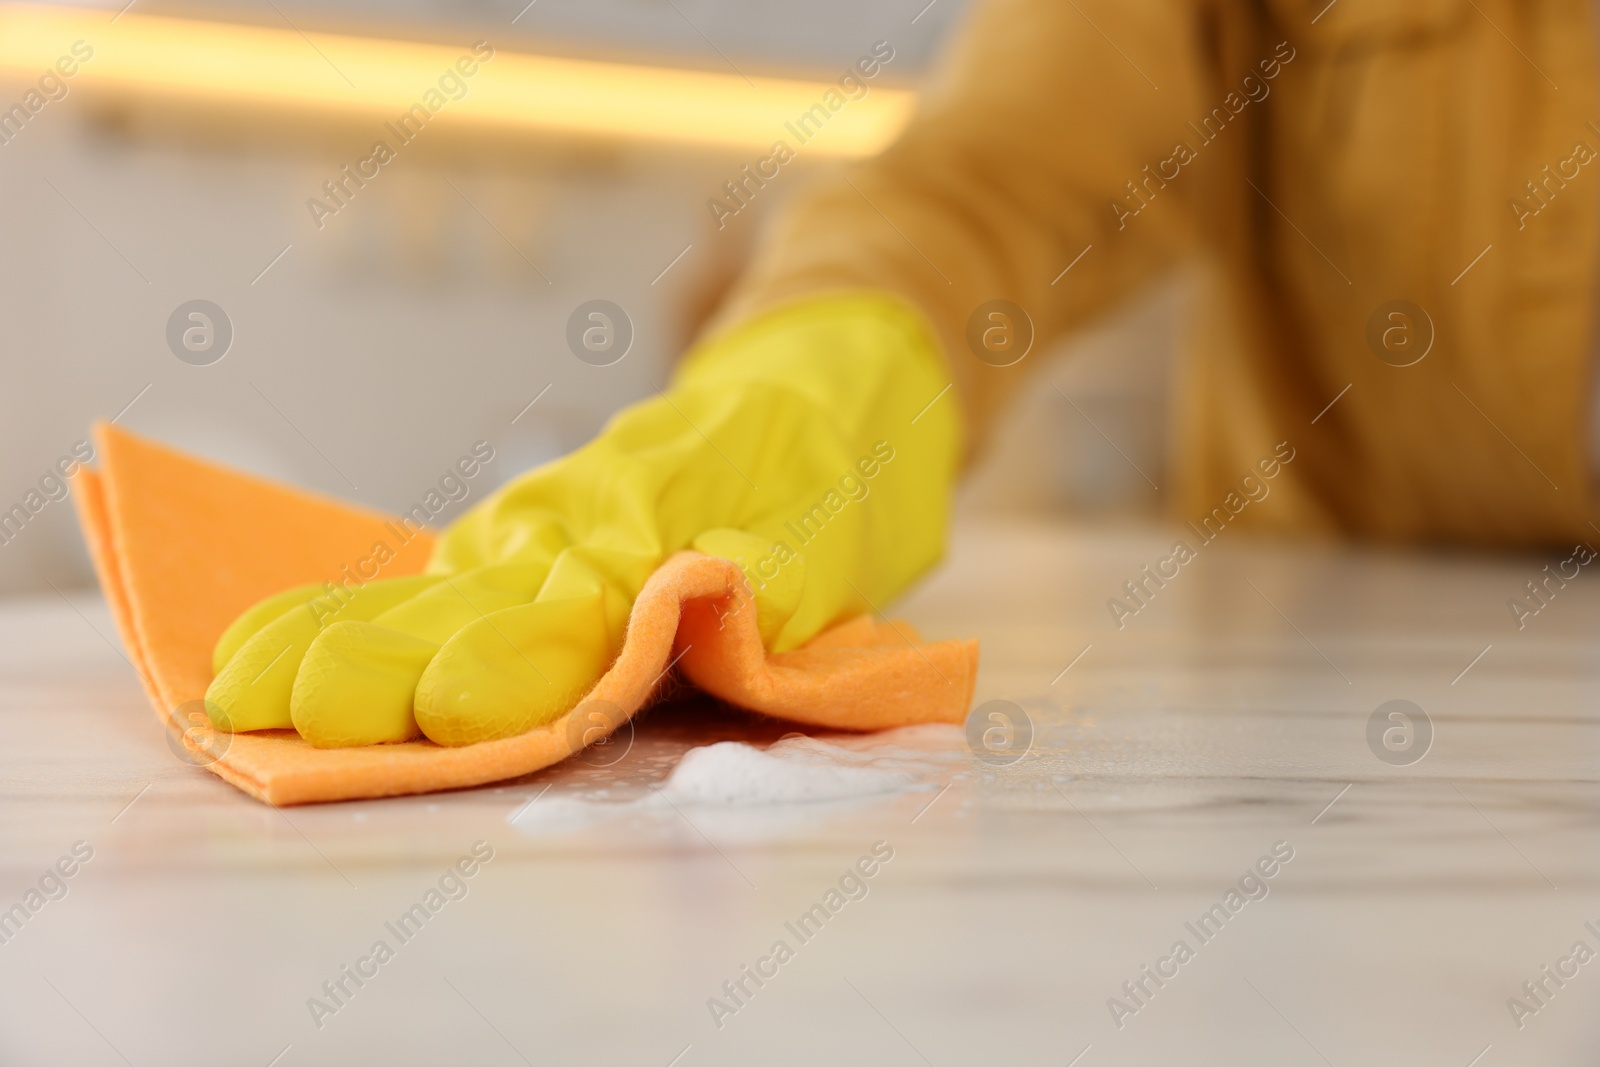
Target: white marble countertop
(1226,717)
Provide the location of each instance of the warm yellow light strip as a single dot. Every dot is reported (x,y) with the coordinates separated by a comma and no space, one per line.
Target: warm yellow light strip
(225,63)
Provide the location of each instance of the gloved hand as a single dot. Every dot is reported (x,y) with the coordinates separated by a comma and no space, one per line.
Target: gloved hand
(801,445)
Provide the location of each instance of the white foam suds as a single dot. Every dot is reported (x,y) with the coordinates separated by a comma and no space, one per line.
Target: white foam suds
(797,778)
(794,771)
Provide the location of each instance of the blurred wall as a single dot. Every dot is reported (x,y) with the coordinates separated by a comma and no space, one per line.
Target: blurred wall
(369,355)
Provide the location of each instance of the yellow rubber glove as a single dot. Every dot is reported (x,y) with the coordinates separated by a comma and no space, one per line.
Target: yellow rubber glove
(806,445)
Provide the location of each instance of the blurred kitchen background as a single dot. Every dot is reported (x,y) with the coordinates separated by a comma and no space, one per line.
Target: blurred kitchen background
(369,354)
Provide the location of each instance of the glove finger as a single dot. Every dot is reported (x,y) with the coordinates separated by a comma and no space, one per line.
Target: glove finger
(356,682)
(255,617)
(252,690)
(355,685)
(523,666)
(439,611)
(511,671)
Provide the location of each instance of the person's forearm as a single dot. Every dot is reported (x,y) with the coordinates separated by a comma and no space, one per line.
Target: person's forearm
(1004,178)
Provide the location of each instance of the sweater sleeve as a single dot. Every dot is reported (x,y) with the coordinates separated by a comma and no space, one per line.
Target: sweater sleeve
(1042,143)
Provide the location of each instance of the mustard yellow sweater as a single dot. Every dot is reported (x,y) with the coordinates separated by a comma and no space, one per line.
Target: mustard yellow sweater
(1315,162)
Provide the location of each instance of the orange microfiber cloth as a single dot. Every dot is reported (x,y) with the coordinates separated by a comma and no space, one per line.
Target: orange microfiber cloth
(182,546)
